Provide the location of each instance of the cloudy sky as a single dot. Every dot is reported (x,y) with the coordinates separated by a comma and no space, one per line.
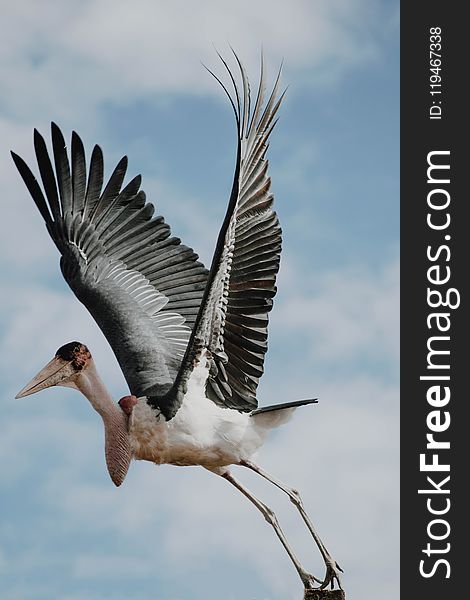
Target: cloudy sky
(128,75)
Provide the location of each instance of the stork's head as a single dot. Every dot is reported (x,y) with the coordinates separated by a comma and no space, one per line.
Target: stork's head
(68,364)
(72,366)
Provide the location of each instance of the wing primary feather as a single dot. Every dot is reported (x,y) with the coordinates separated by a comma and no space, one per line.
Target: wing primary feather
(227,93)
(122,199)
(62,168)
(95,181)
(112,188)
(268,108)
(33,187)
(246,95)
(78,174)
(259,96)
(47,174)
(235,87)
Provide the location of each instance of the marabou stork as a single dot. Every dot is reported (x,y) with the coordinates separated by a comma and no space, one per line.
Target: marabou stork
(190,341)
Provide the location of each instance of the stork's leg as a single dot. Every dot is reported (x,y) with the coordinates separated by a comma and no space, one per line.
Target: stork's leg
(332,567)
(307,579)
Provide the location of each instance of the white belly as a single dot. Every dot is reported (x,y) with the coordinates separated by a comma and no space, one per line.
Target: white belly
(201,433)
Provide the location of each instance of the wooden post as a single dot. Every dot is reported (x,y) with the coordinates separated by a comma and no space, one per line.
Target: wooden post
(324,595)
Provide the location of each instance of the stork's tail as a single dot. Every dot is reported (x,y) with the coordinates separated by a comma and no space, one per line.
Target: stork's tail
(294,404)
(269,417)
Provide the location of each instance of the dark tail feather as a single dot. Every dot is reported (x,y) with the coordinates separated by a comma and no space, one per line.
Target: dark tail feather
(284,405)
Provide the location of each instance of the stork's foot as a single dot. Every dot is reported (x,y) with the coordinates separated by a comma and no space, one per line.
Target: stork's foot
(332,575)
(310,581)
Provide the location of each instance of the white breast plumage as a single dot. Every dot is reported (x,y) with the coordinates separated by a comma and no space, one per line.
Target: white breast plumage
(201,433)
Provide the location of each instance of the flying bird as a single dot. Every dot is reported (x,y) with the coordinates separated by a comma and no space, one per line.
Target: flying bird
(190,341)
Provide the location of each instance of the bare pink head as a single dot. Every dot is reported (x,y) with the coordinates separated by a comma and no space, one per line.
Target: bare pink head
(69,362)
(73,366)
(76,353)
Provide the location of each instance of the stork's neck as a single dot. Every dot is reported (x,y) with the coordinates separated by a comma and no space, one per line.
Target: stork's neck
(117,443)
(91,385)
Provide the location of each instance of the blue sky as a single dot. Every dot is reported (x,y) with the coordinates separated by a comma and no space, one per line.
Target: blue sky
(129,77)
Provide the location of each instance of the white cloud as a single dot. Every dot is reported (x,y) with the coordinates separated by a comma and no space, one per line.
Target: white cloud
(76,55)
(19,215)
(62,61)
(116,566)
(40,320)
(26,437)
(343,312)
(3,561)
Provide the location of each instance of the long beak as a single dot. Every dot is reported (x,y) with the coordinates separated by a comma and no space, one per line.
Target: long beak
(55,372)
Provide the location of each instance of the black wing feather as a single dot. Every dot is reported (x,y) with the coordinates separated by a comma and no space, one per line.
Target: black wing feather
(33,187)
(78,174)
(62,168)
(47,174)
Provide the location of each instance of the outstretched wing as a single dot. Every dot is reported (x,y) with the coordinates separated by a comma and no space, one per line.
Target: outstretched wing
(231,327)
(141,285)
